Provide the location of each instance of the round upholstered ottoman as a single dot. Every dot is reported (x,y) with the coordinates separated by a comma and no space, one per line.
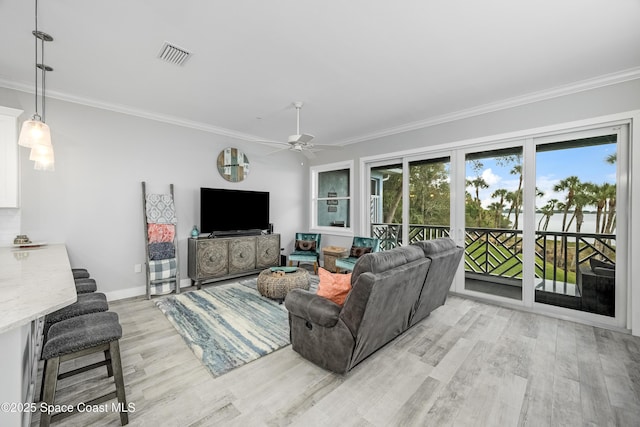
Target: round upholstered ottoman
(275,286)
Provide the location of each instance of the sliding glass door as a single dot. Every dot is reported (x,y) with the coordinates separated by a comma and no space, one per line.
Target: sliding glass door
(385,204)
(577,222)
(540,218)
(493,221)
(429,215)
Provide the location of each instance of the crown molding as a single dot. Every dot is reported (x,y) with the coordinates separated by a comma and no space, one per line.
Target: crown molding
(580,86)
(123,109)
(576,87)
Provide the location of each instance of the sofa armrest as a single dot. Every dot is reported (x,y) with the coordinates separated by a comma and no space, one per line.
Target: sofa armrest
(311,307)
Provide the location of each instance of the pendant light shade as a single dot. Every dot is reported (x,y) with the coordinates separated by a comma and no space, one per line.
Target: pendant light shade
(34,132)
(41,153)
(44,166)
(43,157)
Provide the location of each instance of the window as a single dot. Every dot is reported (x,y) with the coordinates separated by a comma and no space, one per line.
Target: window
(332,187)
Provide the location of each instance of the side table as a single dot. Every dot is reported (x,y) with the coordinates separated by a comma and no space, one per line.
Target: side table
(331,253)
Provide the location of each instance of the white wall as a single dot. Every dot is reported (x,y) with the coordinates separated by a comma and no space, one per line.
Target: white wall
(93,201)
(9,225)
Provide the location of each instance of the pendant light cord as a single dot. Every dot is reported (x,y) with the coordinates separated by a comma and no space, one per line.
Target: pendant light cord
(36,57)
(44,74)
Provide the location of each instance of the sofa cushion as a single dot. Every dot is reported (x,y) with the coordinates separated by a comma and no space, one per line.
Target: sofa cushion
(334,286)
(377,262)
(436,246)
(305,245)
(607,272)
(599,264)
(445,259)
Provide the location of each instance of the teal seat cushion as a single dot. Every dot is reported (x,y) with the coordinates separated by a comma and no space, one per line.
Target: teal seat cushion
(307,256)
(346,263)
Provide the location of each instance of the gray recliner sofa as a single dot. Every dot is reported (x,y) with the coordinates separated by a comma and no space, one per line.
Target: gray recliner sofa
(391,291)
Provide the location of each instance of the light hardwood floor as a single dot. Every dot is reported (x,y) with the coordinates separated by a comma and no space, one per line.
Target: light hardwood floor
(468,364)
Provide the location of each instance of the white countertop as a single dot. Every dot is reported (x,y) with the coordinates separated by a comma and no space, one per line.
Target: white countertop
(33,282)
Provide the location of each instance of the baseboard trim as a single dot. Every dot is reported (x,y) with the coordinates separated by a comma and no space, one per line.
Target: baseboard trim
(137,291)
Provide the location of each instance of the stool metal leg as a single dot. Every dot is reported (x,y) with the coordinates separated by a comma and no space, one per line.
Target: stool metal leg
(116,366)
(49,388)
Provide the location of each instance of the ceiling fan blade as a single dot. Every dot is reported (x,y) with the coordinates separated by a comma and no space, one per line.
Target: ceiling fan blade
(305,137)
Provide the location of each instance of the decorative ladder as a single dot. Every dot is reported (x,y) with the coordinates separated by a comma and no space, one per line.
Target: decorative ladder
(161,242)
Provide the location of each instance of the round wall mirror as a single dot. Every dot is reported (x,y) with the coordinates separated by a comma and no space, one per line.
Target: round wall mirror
(233,164)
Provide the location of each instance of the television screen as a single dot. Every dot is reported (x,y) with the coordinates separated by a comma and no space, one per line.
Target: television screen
(223,210)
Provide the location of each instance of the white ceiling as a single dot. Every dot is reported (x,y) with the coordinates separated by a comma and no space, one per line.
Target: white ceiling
(362,67)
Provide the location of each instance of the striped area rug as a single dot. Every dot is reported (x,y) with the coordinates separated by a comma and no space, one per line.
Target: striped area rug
(228,325)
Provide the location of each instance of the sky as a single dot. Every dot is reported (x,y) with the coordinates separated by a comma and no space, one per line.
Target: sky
(587,163)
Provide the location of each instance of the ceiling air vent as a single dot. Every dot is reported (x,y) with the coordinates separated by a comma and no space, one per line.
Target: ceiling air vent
(173,54)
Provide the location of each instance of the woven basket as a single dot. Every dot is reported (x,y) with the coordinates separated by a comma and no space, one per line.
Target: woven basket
(276,287)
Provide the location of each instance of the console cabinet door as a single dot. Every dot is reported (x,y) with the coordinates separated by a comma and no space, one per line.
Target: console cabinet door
(268,251)
(212,258)
(242,254)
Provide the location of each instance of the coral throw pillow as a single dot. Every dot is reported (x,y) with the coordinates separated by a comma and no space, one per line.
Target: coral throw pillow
(334,286)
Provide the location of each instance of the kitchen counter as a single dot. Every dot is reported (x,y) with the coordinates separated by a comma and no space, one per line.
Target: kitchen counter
(33,282)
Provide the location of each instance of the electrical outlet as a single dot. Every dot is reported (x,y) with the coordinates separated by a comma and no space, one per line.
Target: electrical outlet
(137,268)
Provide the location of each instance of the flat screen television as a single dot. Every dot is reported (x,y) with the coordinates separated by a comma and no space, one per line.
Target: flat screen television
(224,211)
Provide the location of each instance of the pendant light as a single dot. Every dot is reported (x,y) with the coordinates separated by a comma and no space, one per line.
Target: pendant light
(35,133)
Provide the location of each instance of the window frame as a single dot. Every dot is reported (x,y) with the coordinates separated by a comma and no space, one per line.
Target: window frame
(315,172)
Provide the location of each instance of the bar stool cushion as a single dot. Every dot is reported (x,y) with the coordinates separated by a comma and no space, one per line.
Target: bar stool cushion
(80,273)
(94,302)
(81,332)
(84,286)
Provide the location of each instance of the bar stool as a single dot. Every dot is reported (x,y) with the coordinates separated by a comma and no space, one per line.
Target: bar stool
(76,337)
(85,285)
(80,273)
(85,304)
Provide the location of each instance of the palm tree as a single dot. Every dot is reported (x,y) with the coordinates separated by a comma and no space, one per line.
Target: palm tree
(514,197)
(569,184)
(583,196)
(610,223)
(601,195)
(496,209)
(517,170)
(500,193)
(478,182)
(547,211)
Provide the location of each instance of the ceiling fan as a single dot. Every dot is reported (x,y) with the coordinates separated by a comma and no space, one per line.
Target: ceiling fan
(300,142)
